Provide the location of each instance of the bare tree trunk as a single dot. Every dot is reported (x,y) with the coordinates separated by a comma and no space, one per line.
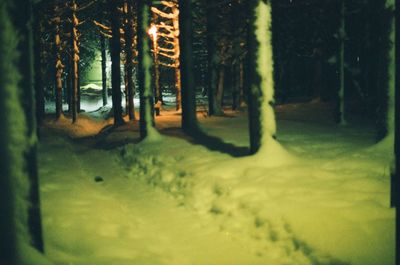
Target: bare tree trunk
(68,83)
(126,88)
(144,71)
(178,85)
(79,89)
(116,61)
(38,46)
(242,92)
(341,94)
(59,68)
(214,106)
(178,88)
(129,59)
(104,69)
(74,61)
(219,96)
(189,118)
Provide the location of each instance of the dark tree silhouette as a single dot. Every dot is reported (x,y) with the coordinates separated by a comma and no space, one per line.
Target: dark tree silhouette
(114,6)
(18,138)
(189,119)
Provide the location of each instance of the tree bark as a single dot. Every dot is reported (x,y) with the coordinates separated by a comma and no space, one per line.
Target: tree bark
(104,69)
(10,145)
(116,61)
(341,94)
(189,118)
(262,125)
(58,68)
(129,59)
(18,138)
(144,70)
(178,85)
(74,61)
(219,96)
(38,46)
(214,107)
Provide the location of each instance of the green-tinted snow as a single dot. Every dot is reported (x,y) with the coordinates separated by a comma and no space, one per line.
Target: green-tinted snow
(173,202)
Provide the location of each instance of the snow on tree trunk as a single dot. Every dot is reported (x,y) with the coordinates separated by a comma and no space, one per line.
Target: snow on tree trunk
(116,61)
(262,124)
(147,129)
(261,95)
(178,86)
(13,184)
(19,198)
(189,118)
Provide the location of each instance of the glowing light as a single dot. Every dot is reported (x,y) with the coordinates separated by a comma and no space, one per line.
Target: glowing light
(153,31)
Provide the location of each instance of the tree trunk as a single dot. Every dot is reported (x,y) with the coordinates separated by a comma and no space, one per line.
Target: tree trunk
(178,86)
(38,46)
(18,138)
(157,89)
(129,60)
(396,184)
(68,84)
(79,89)
(235,86)
(144,71)
(214,107)
(74,61)
(11,147)
(242,92)
(341,97)
(104,68)
(116,61)
(189,118)
(219,96)
(262,126)
(58,68)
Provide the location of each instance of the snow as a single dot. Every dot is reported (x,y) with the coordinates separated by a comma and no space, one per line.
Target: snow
(321,196)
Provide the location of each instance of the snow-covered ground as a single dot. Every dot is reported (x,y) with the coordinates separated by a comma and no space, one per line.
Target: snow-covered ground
(323,199)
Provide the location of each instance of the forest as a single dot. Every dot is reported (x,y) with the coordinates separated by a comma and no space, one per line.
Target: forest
(181,132)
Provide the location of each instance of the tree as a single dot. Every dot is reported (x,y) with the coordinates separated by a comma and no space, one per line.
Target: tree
(262,124)
(59,66)
(144,72)
(189,118)
(129,46)
(39,46)
(168,50)
(103,68)
(214,107)
(19,196)
(74,53)
(116,60)
(340,112)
